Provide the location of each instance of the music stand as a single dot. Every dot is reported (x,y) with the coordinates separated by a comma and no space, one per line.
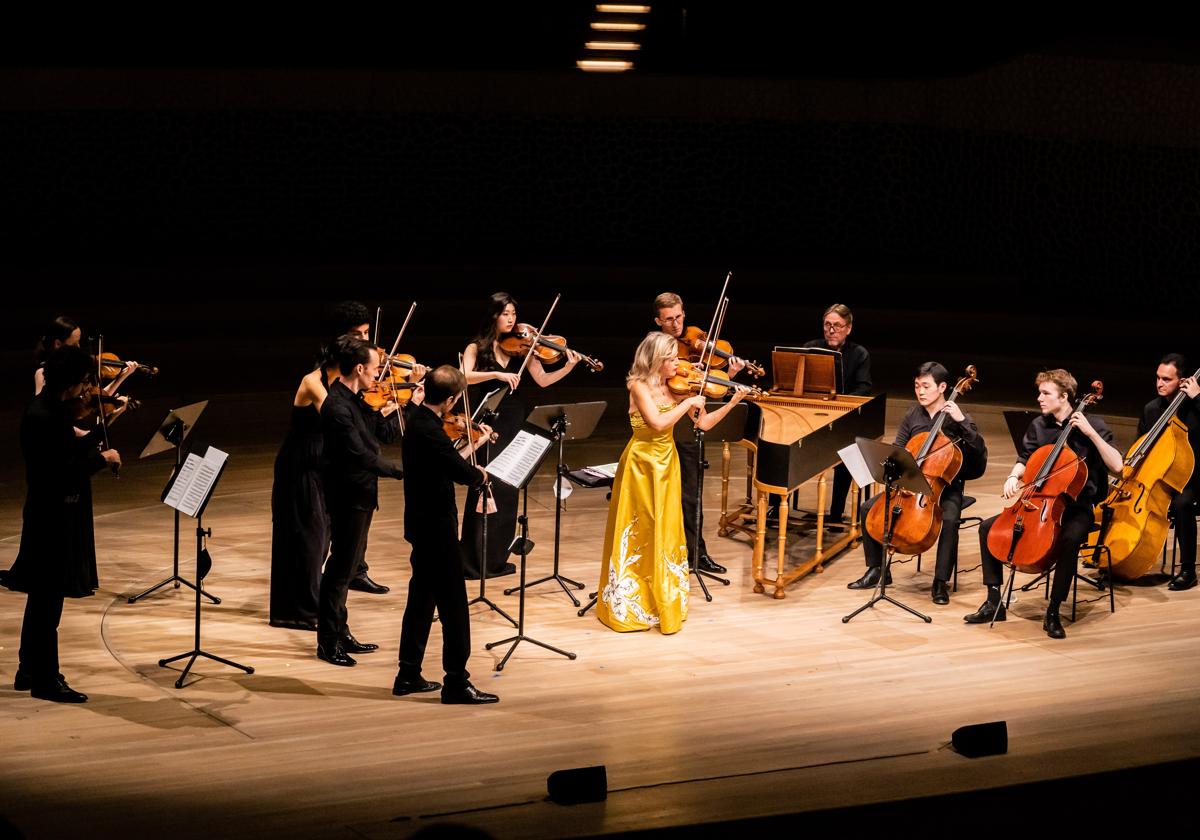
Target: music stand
(171,434)
(564,422)
(734,423)
(485,412)
(518,472)
(894,467)
(189,491)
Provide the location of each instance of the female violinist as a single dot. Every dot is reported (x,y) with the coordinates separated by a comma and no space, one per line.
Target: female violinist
(64,332)
(929,385)
(57,557)
(644,572)
(299,522)
(1088,438)
(488,367)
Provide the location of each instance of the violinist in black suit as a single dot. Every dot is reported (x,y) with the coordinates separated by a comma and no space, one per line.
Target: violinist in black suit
(350,480)
(432,467)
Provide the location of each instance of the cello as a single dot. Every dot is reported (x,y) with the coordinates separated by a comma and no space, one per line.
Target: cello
(917,518)
(1025,533)
(1133,518)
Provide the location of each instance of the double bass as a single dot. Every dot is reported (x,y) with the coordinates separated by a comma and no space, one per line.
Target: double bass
(1133,518)
(1025,533)
(917,517)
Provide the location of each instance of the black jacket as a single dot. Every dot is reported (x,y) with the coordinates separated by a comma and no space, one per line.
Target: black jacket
(432,466)
(58,549)
(352,463)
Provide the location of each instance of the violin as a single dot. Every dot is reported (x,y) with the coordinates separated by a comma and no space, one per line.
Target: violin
(549,348)
(694,342)
(916,519)
(1025,533)
(402,363)
(1133,518)
(93,399)
(714,384)
(390,389)
(456,428)
(111,366)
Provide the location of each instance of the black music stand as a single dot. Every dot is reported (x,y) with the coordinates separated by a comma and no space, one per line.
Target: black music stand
(193,500)
(522,545)
(171,434)
(564,422)
(895,468)
(485,412)
(734,424)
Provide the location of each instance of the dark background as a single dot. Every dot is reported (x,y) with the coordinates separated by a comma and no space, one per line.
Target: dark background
(1018,193)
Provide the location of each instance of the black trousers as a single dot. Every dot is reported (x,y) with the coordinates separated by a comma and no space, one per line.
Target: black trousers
(437,582)
(947,547)
(1076,523)
(347,543)
(1184,514)
(689,474)
(839,491)
(39,636)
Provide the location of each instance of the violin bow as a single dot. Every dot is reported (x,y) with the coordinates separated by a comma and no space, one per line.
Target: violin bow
(378,313)
(386,368)
(536,337)
(116,468)
(467,409)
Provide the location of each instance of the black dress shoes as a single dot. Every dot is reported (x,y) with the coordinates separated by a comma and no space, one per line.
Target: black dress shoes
(292,624)
(349,644)
(365,584)
(1186,579)
(335,656)
(23,682)
(984,614)
(870,579)
(408,685)
(57,692)
(707,564)
(1053,625)
(940,592)
(467,695)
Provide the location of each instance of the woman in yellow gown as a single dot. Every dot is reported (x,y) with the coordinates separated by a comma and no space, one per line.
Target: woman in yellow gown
(644,575)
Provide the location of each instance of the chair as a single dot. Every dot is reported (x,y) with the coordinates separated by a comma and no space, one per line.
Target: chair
(1175,541)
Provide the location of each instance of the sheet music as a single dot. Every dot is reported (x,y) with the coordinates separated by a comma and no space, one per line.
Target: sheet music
(517,461)
(601,470)
(195,480)
(853,459)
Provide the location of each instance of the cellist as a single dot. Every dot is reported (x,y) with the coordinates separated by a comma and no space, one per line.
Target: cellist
(929,385)
(1090,439)
(1171,378)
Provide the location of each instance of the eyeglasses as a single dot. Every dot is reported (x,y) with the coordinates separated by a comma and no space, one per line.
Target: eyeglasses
(672,319)
(832,327)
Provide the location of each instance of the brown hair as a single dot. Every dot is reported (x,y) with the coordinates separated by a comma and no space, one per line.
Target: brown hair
(665,301)
(841,310)
(1062,378)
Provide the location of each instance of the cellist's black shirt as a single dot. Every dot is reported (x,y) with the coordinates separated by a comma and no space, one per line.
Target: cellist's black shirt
(1189,414)
(1045,429)
(965,435)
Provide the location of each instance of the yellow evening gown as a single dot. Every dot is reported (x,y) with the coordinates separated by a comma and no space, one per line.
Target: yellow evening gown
(644,574)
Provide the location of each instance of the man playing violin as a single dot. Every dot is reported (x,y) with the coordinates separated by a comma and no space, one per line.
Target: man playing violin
(929,385)
(350,481)
(1171,378)
(669,315)
(854,379)
(431,527)
(1090,439)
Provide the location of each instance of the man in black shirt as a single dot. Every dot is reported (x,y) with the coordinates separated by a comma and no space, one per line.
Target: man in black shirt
(669,316)
(1170,381)
(433,467)
(1090,440)
(350,479)
(930,388)
(854,379)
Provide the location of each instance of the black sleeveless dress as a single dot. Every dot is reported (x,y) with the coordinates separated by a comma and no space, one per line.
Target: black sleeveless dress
(501,525)
(299,523)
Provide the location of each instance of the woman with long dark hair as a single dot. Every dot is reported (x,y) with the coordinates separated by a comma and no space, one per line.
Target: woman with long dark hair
(488,367)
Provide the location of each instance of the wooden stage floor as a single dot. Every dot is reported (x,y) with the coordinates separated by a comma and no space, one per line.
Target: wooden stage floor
(757,707)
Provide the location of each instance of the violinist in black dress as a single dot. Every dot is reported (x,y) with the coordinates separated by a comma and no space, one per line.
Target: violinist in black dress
(488,367)
(57,557)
